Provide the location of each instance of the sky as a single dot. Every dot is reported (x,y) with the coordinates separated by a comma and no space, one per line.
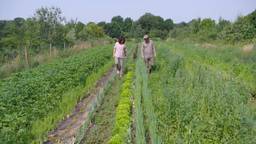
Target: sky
(104,10)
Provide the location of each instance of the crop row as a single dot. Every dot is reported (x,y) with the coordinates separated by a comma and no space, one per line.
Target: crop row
(148,109)
(138,108)
(121,132)
(231,59)
(32,101)
(195,104)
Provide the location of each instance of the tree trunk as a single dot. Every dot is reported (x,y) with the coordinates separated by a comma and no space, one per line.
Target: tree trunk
(64,45)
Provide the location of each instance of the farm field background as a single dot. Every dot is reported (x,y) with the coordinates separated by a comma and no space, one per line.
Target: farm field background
(194,94)
(203,94)
(33,101)
(60,84)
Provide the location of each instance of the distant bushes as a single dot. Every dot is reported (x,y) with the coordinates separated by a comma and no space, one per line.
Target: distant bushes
(242,30)
(46,30)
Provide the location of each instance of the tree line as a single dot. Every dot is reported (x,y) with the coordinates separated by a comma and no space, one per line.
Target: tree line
(243,29)
(45,30)
(48,28)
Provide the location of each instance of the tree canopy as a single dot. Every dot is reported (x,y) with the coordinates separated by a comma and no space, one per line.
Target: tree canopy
(49,28)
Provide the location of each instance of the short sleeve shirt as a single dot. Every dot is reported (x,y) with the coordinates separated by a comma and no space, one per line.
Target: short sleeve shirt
(148,49)
(119,50)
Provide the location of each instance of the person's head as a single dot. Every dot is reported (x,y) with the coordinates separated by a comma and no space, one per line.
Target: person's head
(121,40)
(146,38)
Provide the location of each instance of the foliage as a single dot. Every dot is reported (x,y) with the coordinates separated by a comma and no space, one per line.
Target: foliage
(156,26)
(123,112)
(138,109)
(136,31)
(30,96)
(242,30)
(91,31)
(149,117)
(197,102)
(46,29)
(230,59)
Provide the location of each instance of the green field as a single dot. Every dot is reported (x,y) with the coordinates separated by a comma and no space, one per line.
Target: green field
(33,101)
(203,95)
(195,94)
(60,84)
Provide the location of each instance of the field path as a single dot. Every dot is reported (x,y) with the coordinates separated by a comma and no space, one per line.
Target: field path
(103,122)
(68,128)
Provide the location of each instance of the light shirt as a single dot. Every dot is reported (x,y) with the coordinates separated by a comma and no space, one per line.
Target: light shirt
(119,50)
(148,49)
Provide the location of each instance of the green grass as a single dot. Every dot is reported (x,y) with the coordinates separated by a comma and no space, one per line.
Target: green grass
(138,109)
(227,58)
(197,102)
(194,95)
(149,118)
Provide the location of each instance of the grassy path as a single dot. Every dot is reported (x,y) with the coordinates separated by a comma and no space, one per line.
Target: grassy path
(103,121)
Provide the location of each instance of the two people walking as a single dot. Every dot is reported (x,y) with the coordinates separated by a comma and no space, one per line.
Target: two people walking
(148,53)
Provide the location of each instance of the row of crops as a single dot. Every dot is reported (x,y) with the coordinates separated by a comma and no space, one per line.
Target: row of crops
(195,101)
(230,59)
(144,111)
(113,118)
(122,132)
(32,101)
(194,95)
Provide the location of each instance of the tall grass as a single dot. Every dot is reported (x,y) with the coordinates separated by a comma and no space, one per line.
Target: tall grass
(139,117)
(196,104)
(146,133)
(227,58)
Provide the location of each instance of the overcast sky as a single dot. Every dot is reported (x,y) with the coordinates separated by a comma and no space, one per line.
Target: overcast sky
(104,10)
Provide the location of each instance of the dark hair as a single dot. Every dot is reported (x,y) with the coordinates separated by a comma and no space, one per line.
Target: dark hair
(121,40)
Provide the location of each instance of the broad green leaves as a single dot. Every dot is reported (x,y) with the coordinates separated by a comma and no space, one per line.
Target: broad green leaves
(31,95)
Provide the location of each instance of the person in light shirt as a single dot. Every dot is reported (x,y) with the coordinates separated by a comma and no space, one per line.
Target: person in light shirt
(148,52)
(119,54)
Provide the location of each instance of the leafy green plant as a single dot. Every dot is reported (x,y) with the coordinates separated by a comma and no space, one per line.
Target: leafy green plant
(123,112)
(46,94)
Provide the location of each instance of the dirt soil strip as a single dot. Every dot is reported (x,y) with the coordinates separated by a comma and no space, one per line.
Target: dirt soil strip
(67,129)
(103,122)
